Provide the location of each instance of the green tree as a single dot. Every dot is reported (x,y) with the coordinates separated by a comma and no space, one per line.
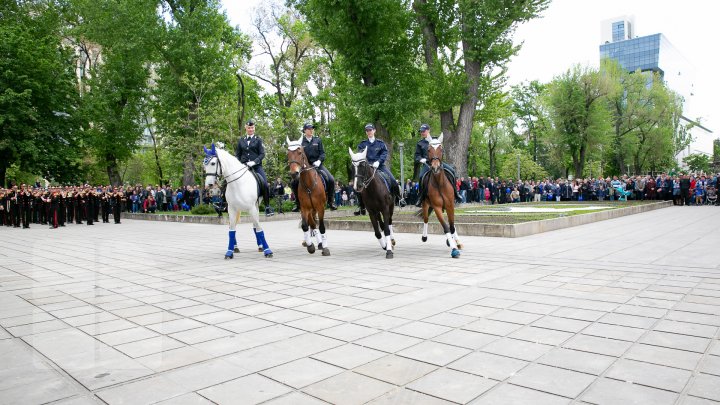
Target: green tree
(698,162)
(373,65)
(531,115)
(195,96)
(529,170)
(579,114)
(467,45)
(642,110)
(284,38)
(39,124)
(115,92)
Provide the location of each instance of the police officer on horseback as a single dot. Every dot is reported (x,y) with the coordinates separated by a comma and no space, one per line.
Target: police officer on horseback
(377,154)
(316,156)
(421,154)
(250,151)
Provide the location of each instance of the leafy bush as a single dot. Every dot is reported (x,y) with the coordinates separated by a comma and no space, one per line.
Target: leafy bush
(203,209)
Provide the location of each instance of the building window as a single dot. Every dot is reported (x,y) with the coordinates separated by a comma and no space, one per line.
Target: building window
(618,31)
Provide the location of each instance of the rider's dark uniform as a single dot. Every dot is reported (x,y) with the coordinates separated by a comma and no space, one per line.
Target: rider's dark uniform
(377,151)
(315,152)
(250,149)
(421,152)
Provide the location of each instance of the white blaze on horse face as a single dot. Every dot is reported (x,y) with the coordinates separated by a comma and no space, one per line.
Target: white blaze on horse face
(210,167)
(356,158)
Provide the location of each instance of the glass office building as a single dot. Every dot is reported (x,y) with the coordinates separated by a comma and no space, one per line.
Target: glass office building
(637,53)
(654,53)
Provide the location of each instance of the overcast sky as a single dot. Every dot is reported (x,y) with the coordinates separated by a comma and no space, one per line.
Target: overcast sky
(569,33)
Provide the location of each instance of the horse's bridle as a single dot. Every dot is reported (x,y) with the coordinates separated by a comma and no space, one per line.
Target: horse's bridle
(304,167)
(439,159)
(219,172)
(364,182)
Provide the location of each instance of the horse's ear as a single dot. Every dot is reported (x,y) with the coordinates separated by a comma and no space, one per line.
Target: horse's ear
(351,151)
(440,138)
(212,149)
(287,140)
(207,152)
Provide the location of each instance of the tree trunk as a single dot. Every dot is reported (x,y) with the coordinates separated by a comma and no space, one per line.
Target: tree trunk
(240,104)
(430,49)
(382,133)
(189,170)
(3,173)
(112,170)
(459,141)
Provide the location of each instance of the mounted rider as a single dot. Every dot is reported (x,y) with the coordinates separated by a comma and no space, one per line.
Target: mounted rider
(315,152)
(421,154)
(377,154)
(250,151)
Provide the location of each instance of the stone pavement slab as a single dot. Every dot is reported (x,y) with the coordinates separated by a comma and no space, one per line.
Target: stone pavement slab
(579,315)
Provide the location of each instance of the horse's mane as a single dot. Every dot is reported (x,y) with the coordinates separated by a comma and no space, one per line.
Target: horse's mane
(229,161)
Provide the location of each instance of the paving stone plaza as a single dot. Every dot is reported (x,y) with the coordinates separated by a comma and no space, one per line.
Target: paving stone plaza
(624,311)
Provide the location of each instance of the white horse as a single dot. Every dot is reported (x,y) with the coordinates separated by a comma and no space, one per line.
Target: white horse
(241,194)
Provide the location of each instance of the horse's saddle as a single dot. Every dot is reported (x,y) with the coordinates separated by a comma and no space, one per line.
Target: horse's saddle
(385,179)
(262,188)
(448,173)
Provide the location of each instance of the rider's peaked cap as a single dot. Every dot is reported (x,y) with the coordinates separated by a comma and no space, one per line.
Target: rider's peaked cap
(308,125)
(250,122)
(423,127)
(369,126)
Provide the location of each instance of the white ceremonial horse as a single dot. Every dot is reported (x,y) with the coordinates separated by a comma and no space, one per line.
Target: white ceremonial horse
(241,194)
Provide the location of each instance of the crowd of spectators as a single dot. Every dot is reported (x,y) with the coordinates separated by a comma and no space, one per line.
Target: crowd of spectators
(683,189)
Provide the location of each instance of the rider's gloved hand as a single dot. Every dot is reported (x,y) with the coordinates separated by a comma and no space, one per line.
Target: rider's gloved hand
(423,160)
(376,165)
(251,163)
(317,163)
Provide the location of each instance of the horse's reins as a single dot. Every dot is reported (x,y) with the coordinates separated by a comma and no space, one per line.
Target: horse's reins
(218,169)
(437,182)
(304,167)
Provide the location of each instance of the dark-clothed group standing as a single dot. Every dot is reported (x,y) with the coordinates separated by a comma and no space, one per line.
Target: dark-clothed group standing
(57,206)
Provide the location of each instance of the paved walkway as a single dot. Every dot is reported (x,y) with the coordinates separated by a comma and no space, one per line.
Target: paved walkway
(624,311)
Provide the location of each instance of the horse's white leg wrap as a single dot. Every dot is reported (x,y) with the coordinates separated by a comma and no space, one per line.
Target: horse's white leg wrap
(388,242)
(392,234)
(324,239)
(318,238)
(383,244)
(425,228)
(455,235)
(308,240)
(450,239)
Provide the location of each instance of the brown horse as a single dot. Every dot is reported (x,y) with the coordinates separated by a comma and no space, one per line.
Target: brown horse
(311,195)
(440,196)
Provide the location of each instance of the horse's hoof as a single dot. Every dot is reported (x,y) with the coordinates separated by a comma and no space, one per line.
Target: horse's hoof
(311,249)
(424,238)
(393,242)
(389,254)
(269,256)
(460,246)
(236,250)
(228,257)
(260,249)
(455,253)
(304,244)
(326,252)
